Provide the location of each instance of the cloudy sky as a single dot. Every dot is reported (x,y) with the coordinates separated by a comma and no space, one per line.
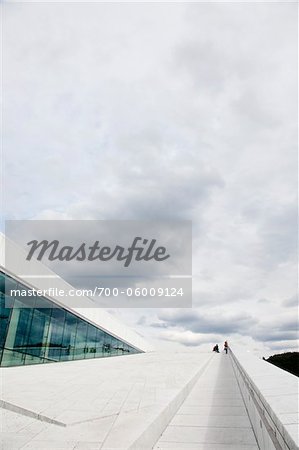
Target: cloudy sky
(166,111)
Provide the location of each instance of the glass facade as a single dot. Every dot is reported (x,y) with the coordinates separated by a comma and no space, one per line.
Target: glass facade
(35,331)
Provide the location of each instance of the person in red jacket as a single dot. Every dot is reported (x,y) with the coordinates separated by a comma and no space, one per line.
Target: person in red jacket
(225,346)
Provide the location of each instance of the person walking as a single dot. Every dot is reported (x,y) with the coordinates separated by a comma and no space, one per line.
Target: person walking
(225,346)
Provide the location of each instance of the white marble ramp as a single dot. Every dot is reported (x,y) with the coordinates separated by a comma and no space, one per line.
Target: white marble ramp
(213,416)
(108,403)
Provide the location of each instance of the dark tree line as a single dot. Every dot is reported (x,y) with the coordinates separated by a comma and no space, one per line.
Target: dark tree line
(287,361)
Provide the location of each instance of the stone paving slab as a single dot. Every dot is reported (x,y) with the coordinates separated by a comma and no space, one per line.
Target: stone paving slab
(212,435)
(196,420)
(215,410)
(213,415)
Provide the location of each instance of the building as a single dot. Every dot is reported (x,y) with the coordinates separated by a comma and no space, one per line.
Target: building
(42,329)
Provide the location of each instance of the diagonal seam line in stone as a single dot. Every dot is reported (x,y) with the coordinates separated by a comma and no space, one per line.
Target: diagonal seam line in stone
(92,420)
(26,412)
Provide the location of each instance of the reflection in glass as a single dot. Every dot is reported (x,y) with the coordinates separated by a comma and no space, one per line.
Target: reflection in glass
(34,331)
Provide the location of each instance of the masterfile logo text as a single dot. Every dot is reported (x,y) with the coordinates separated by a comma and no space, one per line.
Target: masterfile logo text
(144,250)
(118,263)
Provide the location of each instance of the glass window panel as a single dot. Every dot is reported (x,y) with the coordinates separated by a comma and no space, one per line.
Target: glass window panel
(69,337)
(4,317)
(100,343)
(12,358)
(114,346)
(25,297)
(107,344)
(80,344)
(126,349)
(44,304)
(38,336)
(55,334)
(2,282)
(121,346)
(19,328)
(129,349)
(91,341)
(31,359)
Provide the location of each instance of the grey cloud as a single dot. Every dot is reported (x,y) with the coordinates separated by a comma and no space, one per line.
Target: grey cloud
(179,322)
(208,323)
(283,329)
(158,193)
(284,346)
(263,300)
(141,320)
(204,63)
(159,325)
(290,302)
(274,336)
(278,234)
(291,324)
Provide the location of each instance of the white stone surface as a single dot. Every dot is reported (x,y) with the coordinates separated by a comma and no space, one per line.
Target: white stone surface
(276,392)
(166,400)
(213,416)
(117,402)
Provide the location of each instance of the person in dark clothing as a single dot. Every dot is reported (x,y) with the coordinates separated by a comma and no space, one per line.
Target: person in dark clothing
(225,346)
(216,348)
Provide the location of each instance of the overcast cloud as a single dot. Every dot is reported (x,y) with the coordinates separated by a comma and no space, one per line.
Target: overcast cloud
(166,111)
